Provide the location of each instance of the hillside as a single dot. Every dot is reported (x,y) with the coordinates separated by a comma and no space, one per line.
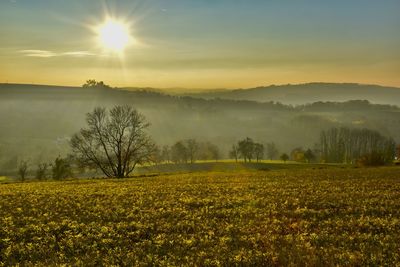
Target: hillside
(311,92)
(37,121)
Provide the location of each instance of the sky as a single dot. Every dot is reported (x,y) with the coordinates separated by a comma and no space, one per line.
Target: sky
(202,43)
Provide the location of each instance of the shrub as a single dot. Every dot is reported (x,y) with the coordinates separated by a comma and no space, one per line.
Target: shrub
(372,159)
(61,168)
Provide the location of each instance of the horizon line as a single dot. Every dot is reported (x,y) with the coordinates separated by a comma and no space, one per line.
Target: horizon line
(205,89)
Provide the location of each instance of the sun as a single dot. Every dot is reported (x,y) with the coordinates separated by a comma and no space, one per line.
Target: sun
(114,35)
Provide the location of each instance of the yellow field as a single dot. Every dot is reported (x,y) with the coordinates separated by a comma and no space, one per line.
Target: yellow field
(287,217)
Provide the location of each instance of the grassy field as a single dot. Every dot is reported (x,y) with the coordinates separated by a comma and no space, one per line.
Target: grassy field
(198,166)
(322,217)
(231,165)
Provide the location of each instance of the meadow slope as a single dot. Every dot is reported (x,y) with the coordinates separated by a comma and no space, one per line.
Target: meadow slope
(286,217)
(38,121)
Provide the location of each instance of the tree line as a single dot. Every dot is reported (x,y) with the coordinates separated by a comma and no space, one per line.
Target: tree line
(248,150)
(345,145)
(115,141)
(61,168)
(188,151)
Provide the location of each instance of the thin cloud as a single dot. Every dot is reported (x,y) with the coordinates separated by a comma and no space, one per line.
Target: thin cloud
(48,54)
(77,54)
(37,53)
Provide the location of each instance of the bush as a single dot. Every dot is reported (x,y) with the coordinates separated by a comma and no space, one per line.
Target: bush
(61,168)
(372,159)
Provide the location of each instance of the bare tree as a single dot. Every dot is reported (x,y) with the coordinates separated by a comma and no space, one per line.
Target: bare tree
(114,142)
(23,170)
(41,171)
(166,154)
(246,149)
(192,149)
(179,153)
(345,145)
(234,152)
(258,151)
(214,151)
(272,151)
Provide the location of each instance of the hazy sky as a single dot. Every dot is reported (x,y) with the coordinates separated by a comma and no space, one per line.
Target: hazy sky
(202,43)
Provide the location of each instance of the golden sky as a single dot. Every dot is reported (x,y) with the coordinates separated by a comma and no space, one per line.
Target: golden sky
(202,44)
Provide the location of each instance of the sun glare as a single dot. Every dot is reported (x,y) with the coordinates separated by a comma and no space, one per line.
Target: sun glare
(114,36)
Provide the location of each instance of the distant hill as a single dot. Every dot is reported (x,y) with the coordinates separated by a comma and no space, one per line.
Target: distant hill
(36,121)
(311,92)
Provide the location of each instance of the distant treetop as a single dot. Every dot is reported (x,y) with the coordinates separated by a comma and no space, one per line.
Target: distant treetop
(95,84)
